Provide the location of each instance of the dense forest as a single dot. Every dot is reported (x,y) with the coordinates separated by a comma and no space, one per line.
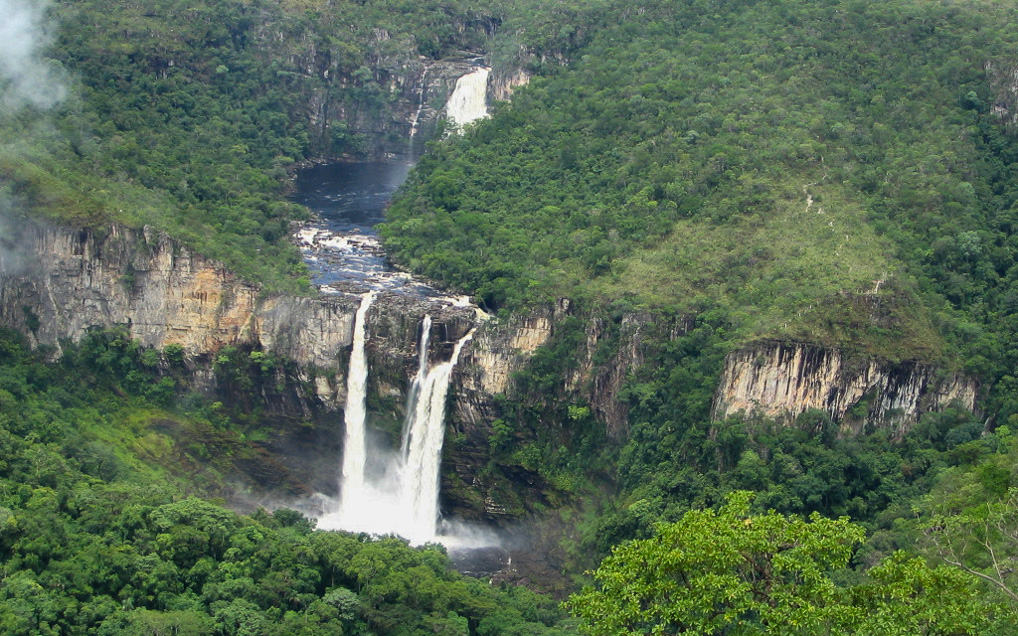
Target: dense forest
(103,530)
(832,172)
(840,173)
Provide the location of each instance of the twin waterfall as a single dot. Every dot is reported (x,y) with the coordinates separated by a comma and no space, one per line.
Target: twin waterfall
(395,491)
(401,496)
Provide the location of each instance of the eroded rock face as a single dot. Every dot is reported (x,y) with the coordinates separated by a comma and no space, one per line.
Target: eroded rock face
(67,281)
(504,81)
(56,283)
(1002,77)
(783,380)
(416,88)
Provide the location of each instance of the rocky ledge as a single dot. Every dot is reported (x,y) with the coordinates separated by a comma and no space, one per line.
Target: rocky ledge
(782,380)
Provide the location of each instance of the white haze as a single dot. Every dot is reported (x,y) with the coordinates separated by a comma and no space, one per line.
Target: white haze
(11,259)
(26,77)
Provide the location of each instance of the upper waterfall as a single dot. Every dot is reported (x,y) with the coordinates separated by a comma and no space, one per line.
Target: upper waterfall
(468,101)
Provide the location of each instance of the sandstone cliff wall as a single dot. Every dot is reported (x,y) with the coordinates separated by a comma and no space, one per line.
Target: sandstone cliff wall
(62,281)
(782,380)
(69,280)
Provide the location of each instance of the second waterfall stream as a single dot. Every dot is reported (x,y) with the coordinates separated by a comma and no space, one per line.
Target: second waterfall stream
(393,491)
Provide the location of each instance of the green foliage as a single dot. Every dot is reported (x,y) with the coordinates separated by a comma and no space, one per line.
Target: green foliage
(99,533)
(187,116)
(732,572)
(829,172)
(816,171)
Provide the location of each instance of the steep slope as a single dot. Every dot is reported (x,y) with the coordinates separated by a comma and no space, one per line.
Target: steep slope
(719,238)
(775,161)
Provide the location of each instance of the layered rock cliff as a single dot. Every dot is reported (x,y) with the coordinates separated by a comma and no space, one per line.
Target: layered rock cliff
(67,281)
(56,283)
(60,282)
(783,380)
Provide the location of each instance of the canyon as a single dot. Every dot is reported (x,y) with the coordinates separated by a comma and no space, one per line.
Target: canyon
(59,282)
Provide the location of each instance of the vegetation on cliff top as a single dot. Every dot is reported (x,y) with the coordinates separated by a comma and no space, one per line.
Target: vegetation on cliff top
(186,115)
(825,171)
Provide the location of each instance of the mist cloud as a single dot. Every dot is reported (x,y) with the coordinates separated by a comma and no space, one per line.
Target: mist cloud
(26,77)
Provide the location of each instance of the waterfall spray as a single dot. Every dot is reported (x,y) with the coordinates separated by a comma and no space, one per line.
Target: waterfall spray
(402,499)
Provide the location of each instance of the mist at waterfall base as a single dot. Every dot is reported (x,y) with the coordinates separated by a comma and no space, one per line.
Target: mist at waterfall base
(390,491)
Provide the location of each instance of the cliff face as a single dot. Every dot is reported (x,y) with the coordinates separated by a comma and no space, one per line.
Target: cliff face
(487,370)
(70,280)
(56,283)
(60,282)
(783,380)
(1002,77)
(505,80)
(374,93)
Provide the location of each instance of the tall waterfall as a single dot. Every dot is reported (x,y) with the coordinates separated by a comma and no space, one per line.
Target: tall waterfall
(468,100)
(403,498)
(425,434)
(354,441)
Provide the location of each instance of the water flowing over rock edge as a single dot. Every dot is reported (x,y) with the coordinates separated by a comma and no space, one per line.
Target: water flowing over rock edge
(70,279)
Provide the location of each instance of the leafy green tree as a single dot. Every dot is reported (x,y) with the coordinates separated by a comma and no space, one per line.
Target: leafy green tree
(727,571)
(721,570)
(906,596)
(982,541)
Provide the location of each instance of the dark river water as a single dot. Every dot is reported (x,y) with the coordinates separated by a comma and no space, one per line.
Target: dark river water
(351,197)
(342,248)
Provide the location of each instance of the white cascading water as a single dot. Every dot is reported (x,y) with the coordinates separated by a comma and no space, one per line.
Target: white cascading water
(417,384)
(420,104)
(403,498)
(468,101)
(354,439)
(425,434)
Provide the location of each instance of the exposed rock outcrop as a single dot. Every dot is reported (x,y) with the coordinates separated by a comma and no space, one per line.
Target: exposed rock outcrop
(504,81)
(62,281)
(70,280)
(783,380)
(56,283)
(1002,77)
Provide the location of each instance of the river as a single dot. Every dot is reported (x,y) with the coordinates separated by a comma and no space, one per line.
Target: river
(341,246)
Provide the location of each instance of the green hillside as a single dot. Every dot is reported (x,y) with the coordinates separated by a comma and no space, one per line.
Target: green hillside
(101,531)
(823,171)
(834,172)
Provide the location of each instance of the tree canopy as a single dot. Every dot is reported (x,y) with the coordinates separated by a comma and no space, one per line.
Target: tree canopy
(729,571)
